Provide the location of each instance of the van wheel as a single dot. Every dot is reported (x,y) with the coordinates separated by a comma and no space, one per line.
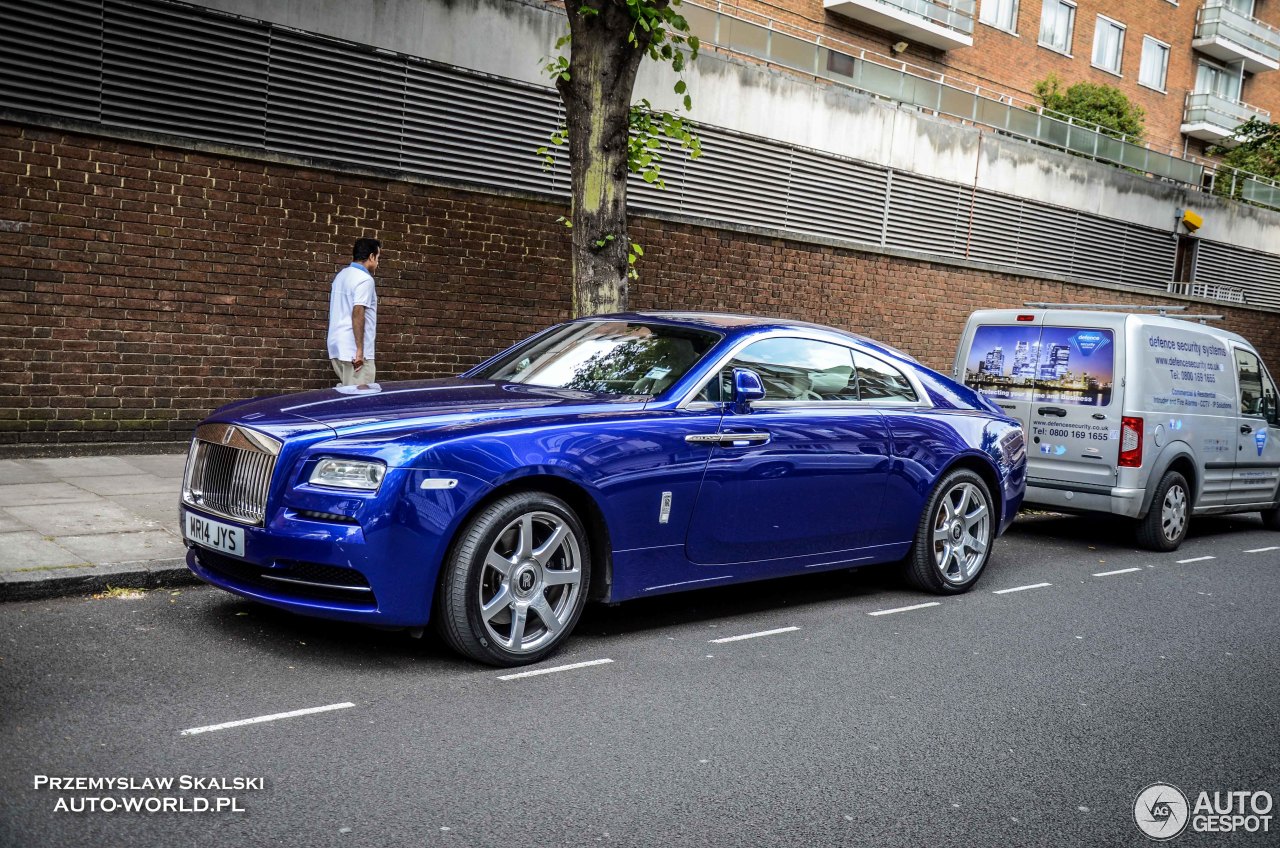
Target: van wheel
(1271,518)
(954,536)
(1165,526)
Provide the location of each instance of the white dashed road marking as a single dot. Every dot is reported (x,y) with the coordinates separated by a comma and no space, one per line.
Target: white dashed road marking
(1021,588)
(1118,571)
(1263,550)
(753,635)
(1194,559)
(905,609)
(260,719)
(553,670)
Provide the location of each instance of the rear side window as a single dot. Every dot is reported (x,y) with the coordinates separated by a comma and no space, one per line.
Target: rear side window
(880,381)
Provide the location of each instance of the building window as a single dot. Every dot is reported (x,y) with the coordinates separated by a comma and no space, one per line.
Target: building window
(1108,45)
(1001,14)
(1057,25)
(1155,63)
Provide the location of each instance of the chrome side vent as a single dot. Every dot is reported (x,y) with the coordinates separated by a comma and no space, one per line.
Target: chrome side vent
(229,472)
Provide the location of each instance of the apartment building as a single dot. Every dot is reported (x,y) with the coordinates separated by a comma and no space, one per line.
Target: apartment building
(1197,69)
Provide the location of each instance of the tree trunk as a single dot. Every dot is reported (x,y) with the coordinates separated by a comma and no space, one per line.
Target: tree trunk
(597,99)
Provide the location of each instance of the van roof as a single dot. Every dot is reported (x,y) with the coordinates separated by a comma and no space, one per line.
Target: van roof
(1106,318)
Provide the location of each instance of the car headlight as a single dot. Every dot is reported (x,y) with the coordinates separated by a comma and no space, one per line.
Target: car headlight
(349,474)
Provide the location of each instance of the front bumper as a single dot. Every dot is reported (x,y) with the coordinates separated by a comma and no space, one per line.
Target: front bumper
(377,566)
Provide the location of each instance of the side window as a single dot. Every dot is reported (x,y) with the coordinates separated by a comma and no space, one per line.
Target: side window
(1257,392)
(880,381)
(792,370)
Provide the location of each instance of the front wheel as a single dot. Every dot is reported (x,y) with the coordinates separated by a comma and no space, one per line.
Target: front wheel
(953,539)
(1165,525)
(515,582)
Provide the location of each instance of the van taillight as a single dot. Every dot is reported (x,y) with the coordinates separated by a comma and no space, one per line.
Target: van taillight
(1026,317)
(1130,442)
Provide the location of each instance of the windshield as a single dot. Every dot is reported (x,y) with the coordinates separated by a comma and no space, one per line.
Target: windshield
(612,357)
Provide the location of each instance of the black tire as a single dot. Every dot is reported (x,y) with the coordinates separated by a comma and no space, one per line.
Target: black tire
(469,575)
(1166,522)
(931,566)
(1271,518)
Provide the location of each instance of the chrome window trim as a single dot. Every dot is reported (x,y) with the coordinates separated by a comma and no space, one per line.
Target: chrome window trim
(688,401)
(236,436)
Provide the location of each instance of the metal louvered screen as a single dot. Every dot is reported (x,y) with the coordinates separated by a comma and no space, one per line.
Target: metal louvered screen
(927,215)
(160,66)
(165,71)
(51,57)
(330,101)
(1257,274)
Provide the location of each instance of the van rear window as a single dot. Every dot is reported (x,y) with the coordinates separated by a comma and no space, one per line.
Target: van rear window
(1042,364)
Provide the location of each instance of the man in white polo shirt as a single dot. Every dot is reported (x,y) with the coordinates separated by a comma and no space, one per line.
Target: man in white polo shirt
(353,316)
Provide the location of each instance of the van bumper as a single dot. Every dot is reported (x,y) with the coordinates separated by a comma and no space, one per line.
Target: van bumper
(1068,497)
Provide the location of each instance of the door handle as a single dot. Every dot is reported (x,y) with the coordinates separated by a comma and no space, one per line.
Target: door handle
(727,440)
(1007,405)
(1052,410)
(1245,428)
(1098,416)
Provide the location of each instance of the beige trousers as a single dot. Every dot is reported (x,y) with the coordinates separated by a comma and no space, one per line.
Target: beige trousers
(350,376)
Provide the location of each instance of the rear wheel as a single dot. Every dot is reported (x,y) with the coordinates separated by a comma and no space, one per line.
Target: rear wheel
(954,536)
(1165,525)
(515,582)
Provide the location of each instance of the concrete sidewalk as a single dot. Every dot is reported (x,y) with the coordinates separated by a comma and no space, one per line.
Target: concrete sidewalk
(81,524)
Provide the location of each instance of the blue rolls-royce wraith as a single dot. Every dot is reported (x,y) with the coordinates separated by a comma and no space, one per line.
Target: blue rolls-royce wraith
(607,458)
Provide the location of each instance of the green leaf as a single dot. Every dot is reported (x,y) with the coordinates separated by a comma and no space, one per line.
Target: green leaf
(680,87)
(688,102)
(650,176)
(637,249)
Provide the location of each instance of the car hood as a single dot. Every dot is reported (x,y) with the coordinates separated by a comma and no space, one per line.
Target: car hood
(350,410)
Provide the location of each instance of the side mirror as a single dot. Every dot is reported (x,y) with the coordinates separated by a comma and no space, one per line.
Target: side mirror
(747,387)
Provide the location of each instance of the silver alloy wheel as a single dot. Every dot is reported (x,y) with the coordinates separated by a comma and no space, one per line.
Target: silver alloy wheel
(961,533)
(534,566)
(1173,513)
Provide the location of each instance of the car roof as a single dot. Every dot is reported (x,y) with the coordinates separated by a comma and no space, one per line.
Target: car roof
(726,322)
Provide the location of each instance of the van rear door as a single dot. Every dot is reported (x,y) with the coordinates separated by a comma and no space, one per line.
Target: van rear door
(996,359)
(1075,408)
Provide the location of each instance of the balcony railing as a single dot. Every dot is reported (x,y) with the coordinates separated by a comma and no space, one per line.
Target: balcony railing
(1210,117)
(944,24)
(1226,34)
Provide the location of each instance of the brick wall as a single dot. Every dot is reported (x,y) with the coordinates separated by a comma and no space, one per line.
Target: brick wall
(1014,63)
(140,287)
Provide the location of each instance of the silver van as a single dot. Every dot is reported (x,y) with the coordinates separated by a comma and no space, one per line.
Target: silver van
(1130,413)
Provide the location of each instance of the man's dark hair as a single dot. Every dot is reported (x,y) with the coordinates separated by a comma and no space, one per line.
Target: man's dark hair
(365,248)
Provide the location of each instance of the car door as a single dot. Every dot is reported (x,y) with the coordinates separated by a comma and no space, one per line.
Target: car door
(1258,449)
(799,475)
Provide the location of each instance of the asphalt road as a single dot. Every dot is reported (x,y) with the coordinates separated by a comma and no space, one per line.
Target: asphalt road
(1030,717)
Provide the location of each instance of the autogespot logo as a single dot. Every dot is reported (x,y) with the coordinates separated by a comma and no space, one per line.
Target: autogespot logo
(1160,811)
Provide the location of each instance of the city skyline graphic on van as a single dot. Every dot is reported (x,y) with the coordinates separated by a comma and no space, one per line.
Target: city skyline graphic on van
(1042,364)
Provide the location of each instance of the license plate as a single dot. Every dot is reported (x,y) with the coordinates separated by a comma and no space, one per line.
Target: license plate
(214,534)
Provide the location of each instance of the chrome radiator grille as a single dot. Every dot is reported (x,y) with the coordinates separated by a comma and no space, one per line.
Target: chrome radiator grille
(229,472)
